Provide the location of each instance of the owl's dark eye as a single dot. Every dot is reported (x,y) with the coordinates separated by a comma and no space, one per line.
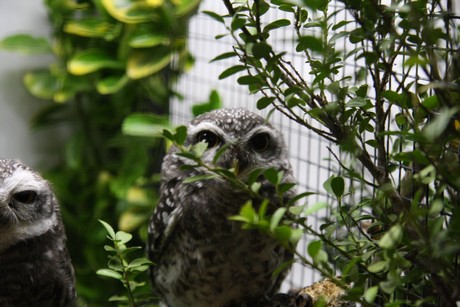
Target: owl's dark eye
(209,137)
(260,142)
(25,197)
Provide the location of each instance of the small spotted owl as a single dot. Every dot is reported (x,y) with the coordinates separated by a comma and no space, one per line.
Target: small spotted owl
(201,257)
(35,268)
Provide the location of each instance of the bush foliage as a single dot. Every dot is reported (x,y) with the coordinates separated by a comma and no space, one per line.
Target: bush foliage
(394,231)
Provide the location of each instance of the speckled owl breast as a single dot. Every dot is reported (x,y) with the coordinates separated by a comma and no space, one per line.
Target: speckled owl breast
(201,257)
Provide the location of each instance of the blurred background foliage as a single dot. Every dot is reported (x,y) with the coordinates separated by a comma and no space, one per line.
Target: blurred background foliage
(115,63)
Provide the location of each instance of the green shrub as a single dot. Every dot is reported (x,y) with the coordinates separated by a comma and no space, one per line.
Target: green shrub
(394,231)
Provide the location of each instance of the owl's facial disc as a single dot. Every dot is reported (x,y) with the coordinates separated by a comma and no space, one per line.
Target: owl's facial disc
(25,209)
(21,188)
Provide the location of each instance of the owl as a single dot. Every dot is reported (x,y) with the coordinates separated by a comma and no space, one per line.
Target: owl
(35,268)
(201,258)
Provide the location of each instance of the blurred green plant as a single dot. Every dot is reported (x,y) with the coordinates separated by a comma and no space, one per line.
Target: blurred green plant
(115,64)
(394,119)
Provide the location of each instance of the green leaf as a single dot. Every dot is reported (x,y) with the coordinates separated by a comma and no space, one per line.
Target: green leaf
(296,235)
(214,16)
(392,237)
(310,42)
(231,71)
(388,286)
(362,91)
(145,124)
(199,149)
(146,38)
(261,50)
(185,7)
(214,103)
(436,207)
(276,25)
(338,186)
(112,84)
(109,248)
(284,187)
(91,60)
(399,99)
(276,218)
(283,233)
(109,273)
(357,36)
(271,175)
(128,250)
(91,27)
(371,294)
(118,298)
(139,262)
(264,102)
(255,187)
(356,102)
(123,237)
(131,11)
(224,56)
(378,266)
(144,63)
(293,102)
(298,197)
(248,212)
(237,23)
(313,248)
(263,207)
(315,208)
(181,135)
(436,127)
(109,229)
(200,178)
(41,84)
(316,4)
(248,80)
(296,210)
(25,44)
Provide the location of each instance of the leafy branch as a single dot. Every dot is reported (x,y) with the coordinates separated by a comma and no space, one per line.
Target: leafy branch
(397,116)
(121,268)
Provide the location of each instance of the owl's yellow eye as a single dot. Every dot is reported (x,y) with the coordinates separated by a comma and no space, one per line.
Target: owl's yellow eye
(260,142)
(209,137)
(25,197)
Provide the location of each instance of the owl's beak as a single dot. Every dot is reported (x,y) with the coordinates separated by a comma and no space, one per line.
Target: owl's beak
(237,159)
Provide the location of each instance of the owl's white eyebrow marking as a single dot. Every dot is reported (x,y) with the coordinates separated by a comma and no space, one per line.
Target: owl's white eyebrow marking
(259,129)
(20,180)
(192,130)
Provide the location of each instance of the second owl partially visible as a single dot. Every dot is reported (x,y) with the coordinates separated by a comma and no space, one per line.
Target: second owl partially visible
(201,257)
(35,267)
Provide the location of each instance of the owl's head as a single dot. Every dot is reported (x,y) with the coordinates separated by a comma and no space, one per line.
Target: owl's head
(28,207)
(250,141)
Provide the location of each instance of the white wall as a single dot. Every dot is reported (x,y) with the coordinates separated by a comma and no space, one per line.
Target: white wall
(16,105)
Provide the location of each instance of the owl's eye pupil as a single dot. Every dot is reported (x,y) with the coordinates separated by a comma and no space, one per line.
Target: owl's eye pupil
(260,142)
(25,197)
(209,137)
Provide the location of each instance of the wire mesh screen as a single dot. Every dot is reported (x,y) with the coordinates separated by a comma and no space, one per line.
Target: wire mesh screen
(313,159)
